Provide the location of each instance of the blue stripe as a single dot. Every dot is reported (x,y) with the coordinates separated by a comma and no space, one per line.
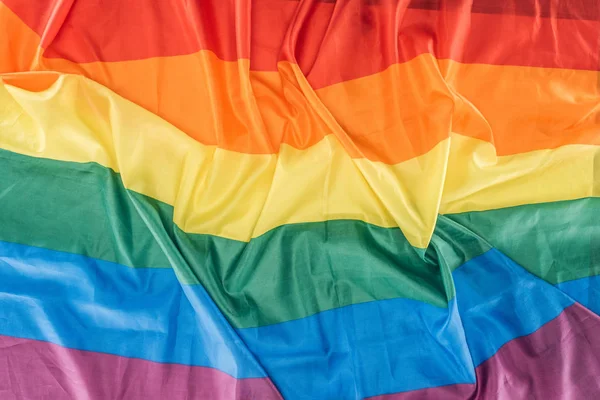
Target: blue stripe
(351,352)
(585,291)
(87,304)
(365,349)
(400,345)
(498,301)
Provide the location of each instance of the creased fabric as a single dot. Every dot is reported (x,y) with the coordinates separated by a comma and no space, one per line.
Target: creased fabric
(299,199)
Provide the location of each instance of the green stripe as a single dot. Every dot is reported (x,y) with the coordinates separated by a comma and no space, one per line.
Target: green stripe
(451,246)
(76,208)
(557,241)
(301,269)
(292,271)
(288,273)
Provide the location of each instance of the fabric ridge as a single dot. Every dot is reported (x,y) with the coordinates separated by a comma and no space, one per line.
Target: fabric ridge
(299,199)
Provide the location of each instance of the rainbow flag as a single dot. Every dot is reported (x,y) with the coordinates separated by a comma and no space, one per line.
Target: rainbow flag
(299,199)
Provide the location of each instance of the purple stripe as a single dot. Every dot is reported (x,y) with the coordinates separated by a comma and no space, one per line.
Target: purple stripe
(451,392)
(561,360)
(31,369)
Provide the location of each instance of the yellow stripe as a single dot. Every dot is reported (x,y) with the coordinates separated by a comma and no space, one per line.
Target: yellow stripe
(478,180)
(240,196)
(216,191)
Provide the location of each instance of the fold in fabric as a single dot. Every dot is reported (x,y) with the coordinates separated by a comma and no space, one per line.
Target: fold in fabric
(282,199)
(569,339)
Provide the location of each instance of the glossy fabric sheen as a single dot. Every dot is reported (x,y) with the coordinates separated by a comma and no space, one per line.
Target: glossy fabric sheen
(585,291)
(256,110)
(318,33)
(309,260)
(283,199)
(554,241)
(570,339)
(492,290)
(157,160)
(75,288)
(246,270)
(88,304)
(393,345)
(383,115)
(364,349)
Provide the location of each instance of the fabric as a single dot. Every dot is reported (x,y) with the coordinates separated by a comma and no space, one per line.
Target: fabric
(299,199)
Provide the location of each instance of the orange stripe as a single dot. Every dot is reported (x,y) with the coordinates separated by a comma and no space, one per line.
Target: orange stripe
(382,117)
(216,102)
(18,45)
(392,116)
(522,109)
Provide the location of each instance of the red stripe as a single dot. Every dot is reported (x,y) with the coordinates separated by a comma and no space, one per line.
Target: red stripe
(572,9)
(332,42)
(558,361)
(115,30)
(32,369)
(335,44)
